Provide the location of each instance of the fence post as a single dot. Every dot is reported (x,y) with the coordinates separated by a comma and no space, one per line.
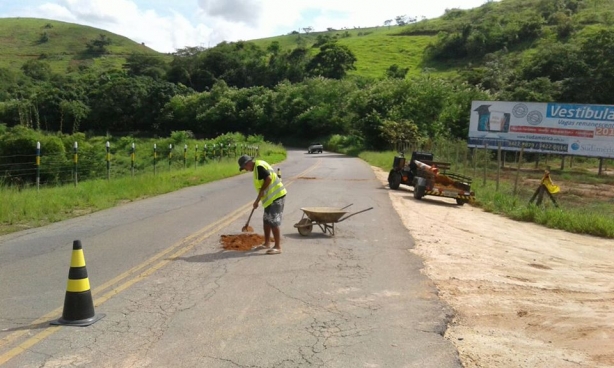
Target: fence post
(108,161)
(170,155)
(185,155)
(456,159)
(196,156)
(474,156)
(600,165)
(465,159)
(485,163)
(38,165)
(132,156)
(75,160)
(498,165)
(518,169)
(154,158)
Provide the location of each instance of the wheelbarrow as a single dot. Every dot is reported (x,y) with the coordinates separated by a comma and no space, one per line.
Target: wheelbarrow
(324,217)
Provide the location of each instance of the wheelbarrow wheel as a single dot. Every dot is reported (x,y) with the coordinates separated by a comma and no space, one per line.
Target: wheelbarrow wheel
(304,227)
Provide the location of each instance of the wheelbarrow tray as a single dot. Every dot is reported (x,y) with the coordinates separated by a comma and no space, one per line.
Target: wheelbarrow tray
(323,214)
(324,217)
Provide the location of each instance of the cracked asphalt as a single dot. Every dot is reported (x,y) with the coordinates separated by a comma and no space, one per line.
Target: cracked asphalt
(173,297)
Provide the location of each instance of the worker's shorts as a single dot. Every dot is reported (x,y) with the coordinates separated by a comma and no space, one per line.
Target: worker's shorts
(273,213)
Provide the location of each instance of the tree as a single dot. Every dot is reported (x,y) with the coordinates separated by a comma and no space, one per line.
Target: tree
(239,64)
(401,20)
(388,22)
(333,61)
(274,48)
(321,40)
(44,38)
(144,64)
(394,71)
(184,67)
(37,70)
(289,65)
(98,46)
(307,30)
(592,80)
(396,132)
(77,110)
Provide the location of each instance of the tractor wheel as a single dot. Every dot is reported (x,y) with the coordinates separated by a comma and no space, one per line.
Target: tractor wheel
(304,227)
(460,202)
(419,191)
(394,179)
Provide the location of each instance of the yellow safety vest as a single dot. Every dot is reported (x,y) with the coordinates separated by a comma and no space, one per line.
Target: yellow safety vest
(547,182)
(275,190)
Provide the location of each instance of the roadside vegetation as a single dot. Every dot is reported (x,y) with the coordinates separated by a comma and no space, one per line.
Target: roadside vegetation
(355,90)
(25,205)
(582,208)
(585,202)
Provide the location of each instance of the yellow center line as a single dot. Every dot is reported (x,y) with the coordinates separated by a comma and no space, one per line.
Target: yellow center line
(180,247)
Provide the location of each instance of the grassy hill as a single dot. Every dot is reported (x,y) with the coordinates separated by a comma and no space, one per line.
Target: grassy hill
(380,47)
(376,48)
(61,44)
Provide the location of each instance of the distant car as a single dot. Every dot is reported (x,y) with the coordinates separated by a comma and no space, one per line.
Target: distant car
(315,148)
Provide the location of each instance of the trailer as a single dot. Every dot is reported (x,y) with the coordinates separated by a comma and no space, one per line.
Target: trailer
(430,181)
(429,177)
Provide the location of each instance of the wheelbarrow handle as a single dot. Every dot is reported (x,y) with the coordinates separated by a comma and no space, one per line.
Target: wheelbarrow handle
(355,213)
(342,208)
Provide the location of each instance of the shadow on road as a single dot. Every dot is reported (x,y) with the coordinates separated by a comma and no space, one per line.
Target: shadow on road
(221,255)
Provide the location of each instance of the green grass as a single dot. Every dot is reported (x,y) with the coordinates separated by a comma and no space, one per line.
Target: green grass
(375,48)
(29,208)
(581,210)
(20,41)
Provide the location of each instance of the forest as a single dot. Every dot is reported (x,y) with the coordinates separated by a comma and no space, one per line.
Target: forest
(557,50)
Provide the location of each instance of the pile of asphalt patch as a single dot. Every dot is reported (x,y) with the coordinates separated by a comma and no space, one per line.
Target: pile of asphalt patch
(241,242)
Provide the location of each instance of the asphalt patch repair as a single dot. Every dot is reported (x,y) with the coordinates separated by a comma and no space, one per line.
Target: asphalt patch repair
(241,242)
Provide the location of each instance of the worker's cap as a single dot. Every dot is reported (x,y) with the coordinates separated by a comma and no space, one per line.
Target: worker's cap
(244,160)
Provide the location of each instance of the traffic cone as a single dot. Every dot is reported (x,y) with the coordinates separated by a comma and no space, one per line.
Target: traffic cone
(78,303)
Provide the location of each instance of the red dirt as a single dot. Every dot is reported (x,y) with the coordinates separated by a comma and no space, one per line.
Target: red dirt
(241,242)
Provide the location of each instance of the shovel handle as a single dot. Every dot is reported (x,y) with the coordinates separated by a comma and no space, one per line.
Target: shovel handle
(250,217)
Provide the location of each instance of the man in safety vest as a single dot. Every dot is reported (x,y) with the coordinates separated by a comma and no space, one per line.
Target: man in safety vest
(272,194)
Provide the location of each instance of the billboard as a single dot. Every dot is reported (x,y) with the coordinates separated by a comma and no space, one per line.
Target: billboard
(561,128)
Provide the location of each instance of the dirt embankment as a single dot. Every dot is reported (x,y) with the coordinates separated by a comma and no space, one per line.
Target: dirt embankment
(524,295)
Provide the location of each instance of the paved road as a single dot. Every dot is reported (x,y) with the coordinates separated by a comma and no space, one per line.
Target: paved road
(174,298)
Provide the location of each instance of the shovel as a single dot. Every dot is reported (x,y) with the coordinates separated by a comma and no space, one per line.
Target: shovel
(247,228)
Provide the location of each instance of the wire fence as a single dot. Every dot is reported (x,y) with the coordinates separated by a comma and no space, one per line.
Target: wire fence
(25,171)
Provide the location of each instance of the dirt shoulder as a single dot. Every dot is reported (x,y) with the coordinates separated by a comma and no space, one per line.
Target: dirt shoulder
(524,295)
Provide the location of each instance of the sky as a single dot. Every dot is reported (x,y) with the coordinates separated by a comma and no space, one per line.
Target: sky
(167,26)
